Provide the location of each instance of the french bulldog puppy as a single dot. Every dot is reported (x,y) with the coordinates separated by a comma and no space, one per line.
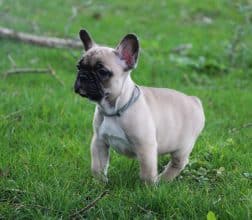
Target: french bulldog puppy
(137,121)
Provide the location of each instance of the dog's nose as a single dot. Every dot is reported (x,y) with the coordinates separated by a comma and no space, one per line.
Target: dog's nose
(76,90)
(77,86)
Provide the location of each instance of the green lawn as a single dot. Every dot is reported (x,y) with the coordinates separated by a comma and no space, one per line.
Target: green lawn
(45,129)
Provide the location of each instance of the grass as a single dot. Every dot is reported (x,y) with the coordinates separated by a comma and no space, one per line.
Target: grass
(45,129)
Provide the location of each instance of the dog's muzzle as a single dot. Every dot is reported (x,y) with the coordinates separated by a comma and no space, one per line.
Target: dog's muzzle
(78,89)
(89,85)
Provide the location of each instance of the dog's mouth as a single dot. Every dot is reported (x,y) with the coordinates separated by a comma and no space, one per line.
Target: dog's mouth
(93,96)
(82,94)
(90,92)
(78,89)
(89,85)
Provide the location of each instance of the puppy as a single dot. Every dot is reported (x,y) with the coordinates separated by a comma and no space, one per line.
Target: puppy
(137,121)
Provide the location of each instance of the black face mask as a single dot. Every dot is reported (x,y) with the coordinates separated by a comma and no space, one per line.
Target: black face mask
(89,81)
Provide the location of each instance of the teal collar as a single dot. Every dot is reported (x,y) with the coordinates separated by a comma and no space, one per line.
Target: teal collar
(134,97)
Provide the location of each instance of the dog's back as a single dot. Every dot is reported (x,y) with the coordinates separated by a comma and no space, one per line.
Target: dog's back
(179,118)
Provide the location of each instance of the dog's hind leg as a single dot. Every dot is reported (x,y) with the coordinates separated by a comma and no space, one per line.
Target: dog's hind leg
(179,159)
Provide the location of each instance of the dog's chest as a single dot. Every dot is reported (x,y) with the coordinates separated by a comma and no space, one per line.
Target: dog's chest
(115,136)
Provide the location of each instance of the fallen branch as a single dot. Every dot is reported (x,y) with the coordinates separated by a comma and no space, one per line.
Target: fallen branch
(89,206)
(39,40)
(48,70)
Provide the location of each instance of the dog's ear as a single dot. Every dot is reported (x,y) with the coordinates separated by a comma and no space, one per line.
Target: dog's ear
(86,39)
(128,50)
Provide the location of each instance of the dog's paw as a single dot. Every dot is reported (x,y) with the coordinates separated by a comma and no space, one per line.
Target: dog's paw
(150,181)
(164,178)
(101,178)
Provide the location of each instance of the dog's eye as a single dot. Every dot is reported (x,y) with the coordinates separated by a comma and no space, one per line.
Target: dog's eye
(104,73)
(98,65)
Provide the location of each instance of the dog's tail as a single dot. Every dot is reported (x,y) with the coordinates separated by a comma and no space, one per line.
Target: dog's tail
(199,103)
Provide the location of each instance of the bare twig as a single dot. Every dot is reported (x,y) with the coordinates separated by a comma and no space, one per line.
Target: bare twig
(25,70)
(242,127)
(234,45)
(19,191)
(43,208)
(35,26)
(181,48)
(53,73)
(13,113)
(48,70)
(136,205)
(71,18)
(89,206)
(39,40)
(145,210)
(13,63)
(19,205)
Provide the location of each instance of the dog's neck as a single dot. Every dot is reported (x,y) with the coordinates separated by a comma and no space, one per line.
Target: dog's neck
(127,90)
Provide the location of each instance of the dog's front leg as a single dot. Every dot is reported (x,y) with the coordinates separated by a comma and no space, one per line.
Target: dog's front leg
(147,157)
(100,158)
